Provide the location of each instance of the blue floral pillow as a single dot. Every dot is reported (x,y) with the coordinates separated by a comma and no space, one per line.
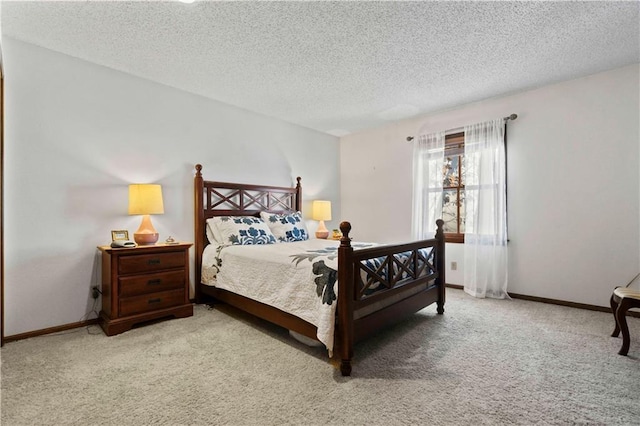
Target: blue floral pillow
(286,227)
(243,230)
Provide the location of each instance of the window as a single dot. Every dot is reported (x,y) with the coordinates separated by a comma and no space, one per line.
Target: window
(453,193)
(461,178)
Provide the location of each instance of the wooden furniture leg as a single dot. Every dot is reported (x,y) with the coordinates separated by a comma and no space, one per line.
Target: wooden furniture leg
(614,309)
(621,320)
(622,300)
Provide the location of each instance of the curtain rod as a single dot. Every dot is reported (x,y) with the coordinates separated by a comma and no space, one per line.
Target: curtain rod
(510,117)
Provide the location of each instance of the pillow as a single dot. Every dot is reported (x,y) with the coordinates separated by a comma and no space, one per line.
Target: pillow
(286,227)
(243,230)
(213,234)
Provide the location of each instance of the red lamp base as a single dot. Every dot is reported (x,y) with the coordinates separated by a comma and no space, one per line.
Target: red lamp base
(145,239)
(146,234)
(322,235)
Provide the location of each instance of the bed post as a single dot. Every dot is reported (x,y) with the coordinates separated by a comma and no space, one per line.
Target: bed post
(198,187)
(345,300)
(298,204)
(440,265)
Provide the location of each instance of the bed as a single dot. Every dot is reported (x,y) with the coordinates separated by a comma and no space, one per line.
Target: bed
(405,278)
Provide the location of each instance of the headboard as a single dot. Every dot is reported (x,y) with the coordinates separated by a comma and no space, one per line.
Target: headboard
(236,199)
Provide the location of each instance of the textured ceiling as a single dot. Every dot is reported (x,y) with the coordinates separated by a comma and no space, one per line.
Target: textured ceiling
(338,67)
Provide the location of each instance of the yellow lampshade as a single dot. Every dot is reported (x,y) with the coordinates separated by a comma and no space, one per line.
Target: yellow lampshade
(145,199)
(321,210)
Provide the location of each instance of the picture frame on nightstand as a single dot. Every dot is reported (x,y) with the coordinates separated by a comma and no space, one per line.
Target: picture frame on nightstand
(119,235)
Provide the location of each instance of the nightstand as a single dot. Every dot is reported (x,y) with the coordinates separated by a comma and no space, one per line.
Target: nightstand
(142,284)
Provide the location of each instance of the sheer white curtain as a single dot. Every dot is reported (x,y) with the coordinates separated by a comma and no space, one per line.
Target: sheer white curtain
(428,159)
(485,238)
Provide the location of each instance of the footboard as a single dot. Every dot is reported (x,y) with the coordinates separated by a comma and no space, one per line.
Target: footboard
(406,278)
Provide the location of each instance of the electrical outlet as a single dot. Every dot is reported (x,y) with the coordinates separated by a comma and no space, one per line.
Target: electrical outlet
(454,266)
(95,292)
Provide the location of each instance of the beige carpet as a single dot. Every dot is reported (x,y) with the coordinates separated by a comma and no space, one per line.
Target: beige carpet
(483,362)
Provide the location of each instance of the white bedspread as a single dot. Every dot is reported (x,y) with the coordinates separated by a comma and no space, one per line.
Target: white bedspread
(280,275)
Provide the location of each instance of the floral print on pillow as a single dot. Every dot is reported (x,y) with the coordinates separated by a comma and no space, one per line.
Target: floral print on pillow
(286,227)
(244,230)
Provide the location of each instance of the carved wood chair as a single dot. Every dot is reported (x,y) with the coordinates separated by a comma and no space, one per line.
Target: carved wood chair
(623,299)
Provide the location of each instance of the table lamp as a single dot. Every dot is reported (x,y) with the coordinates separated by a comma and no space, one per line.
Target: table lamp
(321,210)
(145,199)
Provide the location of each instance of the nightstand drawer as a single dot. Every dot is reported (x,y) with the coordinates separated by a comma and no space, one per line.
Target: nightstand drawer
(150,262)
(142,284)
(151,302)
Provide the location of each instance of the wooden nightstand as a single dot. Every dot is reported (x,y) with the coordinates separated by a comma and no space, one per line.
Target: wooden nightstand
(142,284)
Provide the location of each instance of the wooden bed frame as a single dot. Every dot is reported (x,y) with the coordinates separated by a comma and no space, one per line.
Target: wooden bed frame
(357,315)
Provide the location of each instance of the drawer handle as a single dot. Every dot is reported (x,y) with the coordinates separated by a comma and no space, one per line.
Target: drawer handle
(154,282)
(153,261)
(154,301)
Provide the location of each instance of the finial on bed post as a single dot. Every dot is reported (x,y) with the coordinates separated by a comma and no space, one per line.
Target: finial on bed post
(198,170)
(345,228)
(440,230)
(298,179)
(440,265)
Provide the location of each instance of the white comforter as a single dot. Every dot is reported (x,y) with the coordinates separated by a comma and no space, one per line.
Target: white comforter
(280,275)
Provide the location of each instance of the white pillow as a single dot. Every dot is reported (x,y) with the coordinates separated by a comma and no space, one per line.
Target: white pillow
(286,227)
(243,230)
(213,234)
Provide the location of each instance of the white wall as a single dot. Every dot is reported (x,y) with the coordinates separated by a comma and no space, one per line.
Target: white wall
(77,134)
(573,184)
